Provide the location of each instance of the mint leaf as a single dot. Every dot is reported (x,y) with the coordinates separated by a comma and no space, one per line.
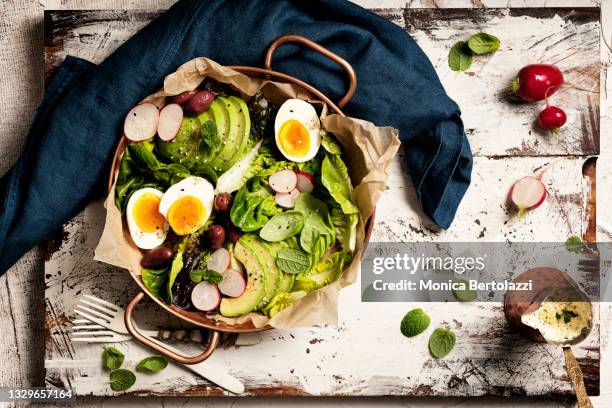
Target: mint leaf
(152,364)
(122,379)
(209,136)
(292,260)
(210,276)
(415,322)
(112,358)
(483,43)
(460,57)
(465,294)
(574,244)
(441,342)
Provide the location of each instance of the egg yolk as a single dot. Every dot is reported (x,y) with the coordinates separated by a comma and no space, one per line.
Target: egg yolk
(146,213)
(294,138)
(186,215)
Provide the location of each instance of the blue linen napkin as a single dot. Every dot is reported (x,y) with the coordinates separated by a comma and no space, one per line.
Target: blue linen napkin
(67,155)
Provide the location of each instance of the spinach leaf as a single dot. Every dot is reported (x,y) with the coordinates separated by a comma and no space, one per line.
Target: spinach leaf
(318,234)
(460,56)
(282,226)
(253,206)
(155,281)
(335,178)
(483,43)
(152,364)
(113,358)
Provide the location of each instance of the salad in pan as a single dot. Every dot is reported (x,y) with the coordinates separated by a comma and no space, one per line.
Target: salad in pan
(238,205)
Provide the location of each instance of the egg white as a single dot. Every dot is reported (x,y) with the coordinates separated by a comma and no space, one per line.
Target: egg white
(144,240)
(304,113)
(197,187)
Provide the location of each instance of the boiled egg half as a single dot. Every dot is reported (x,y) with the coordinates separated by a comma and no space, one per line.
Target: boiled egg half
(187,204)
(296,130)
(147,225)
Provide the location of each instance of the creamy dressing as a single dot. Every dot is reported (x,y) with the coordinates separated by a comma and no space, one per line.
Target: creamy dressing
(560,322)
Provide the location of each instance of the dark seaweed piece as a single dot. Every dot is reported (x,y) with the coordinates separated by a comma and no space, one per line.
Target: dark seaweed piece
(263,113)
(217,88)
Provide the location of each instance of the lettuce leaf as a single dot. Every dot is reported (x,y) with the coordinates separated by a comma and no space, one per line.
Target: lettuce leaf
(253,205)
(345,226)
(282,301)
(323,273)
(335,178)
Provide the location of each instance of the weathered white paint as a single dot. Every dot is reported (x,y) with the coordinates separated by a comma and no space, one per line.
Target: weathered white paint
(21,289)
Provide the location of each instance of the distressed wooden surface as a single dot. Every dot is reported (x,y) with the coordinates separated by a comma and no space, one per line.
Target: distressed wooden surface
(322,361)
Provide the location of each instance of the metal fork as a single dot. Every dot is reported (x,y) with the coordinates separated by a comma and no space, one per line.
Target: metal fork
(110,316)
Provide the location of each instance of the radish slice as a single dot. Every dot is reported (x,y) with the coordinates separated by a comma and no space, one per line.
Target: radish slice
(287,200)
(304,182)
(233,283)
(527,194)
(219,260)
(170,119)
(141,122)
(283,181)
(205,297)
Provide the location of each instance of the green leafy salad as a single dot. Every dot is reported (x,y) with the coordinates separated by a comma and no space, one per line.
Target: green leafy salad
(239,206)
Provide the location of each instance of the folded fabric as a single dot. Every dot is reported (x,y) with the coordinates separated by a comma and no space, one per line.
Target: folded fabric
(67,155)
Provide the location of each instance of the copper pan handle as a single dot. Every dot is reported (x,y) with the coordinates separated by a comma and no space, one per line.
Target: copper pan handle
(129,322)
(321,50)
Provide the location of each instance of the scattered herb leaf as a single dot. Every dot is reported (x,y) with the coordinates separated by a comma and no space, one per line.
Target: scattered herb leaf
(210,136)
(483,43)
(122,379)
(152,364)
(460,57)
(441,342)
(415,322)
(574,244)
(210,276)
(567,316)
(113,358)
(465,294)
(292,260)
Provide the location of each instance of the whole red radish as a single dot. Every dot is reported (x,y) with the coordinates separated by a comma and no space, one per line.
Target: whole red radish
(537,81)
(527,194)
(552,118)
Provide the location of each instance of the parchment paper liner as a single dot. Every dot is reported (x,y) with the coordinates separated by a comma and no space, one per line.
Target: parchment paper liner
(368,153)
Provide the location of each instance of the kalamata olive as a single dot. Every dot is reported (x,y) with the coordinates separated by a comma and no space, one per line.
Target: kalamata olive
(233,233)
(157,258)
(216,236)
(183,97)
(223,202)
(200,102)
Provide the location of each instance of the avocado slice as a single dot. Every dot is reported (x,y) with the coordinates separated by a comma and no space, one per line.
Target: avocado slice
(285,284)
(256,281)
(244,126)
(218,113)
(266,257)
(226,156)
(182,147)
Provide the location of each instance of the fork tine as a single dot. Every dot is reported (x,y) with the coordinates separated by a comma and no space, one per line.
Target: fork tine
(80,321)
(93,333)
(103,302)
(98,308)
(87,327)
(91,317)
(97,339)
(94,312)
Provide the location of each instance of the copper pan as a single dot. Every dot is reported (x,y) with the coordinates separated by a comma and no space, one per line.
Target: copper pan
(199,319)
